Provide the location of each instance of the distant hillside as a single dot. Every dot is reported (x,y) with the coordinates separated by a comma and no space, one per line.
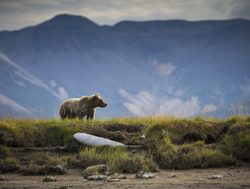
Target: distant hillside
(172,67)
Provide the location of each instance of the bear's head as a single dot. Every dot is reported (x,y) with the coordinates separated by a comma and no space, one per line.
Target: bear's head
(98,101)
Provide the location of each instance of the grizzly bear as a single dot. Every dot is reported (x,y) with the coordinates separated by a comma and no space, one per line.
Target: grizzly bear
(81,107)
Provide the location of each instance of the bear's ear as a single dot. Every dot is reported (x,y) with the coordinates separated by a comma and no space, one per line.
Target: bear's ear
(95,97)
(98,94)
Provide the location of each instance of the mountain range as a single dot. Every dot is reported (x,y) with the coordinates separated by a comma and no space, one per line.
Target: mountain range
(161,67)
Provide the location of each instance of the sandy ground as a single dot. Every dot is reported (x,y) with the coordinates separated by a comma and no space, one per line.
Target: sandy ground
(238,177)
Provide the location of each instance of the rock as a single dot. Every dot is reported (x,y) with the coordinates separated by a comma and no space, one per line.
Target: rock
(117,176)
(144,175)
(49,179)
(95,170)
(172,175)
(97,177)
(58,169)
(143,136)
(215,177)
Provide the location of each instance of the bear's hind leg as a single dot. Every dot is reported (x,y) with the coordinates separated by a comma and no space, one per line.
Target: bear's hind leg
(63,113)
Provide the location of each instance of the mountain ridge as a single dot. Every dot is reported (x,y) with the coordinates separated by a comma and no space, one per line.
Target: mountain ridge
(65,16)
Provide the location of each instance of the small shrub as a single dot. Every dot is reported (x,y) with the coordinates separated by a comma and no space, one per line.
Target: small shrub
(237,145)
(10,161)
(102,155)
(50,159)
(164,155)
(58,135)
(8,164)
(4,152)
(135,164)
(56,160)
(33,169)
(89,156)
(39,158)
(163,151)
(128,165)
(73,161)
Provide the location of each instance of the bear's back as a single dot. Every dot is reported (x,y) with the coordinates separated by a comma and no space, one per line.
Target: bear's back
(70,101)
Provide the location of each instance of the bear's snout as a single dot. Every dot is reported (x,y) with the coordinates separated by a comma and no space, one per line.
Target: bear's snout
(104,105)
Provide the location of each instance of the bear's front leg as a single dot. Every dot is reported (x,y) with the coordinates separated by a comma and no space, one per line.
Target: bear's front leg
(91,114)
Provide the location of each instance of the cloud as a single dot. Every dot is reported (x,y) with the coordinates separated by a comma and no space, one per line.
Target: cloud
(141,104)
(60,94)
(209,108)
(13,105)
(246,88)
(53,83)
(20,83)
(145,103)
(179,92)
(165,69)
(16,13)
(240,9)
(17,81)
(180,108)
(63,93)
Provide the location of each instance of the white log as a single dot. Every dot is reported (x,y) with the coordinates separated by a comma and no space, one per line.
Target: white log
(92,140)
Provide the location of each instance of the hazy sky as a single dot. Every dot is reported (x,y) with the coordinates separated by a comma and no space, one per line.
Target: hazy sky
(16,14)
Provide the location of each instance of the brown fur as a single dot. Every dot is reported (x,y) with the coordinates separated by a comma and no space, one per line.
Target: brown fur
(81,107)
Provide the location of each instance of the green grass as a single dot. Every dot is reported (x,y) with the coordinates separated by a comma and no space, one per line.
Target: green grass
(117,158)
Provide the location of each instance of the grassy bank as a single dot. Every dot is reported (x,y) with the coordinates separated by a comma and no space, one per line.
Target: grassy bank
(169,143)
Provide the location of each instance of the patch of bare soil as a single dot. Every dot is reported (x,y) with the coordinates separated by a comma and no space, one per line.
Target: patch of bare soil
(237,177)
